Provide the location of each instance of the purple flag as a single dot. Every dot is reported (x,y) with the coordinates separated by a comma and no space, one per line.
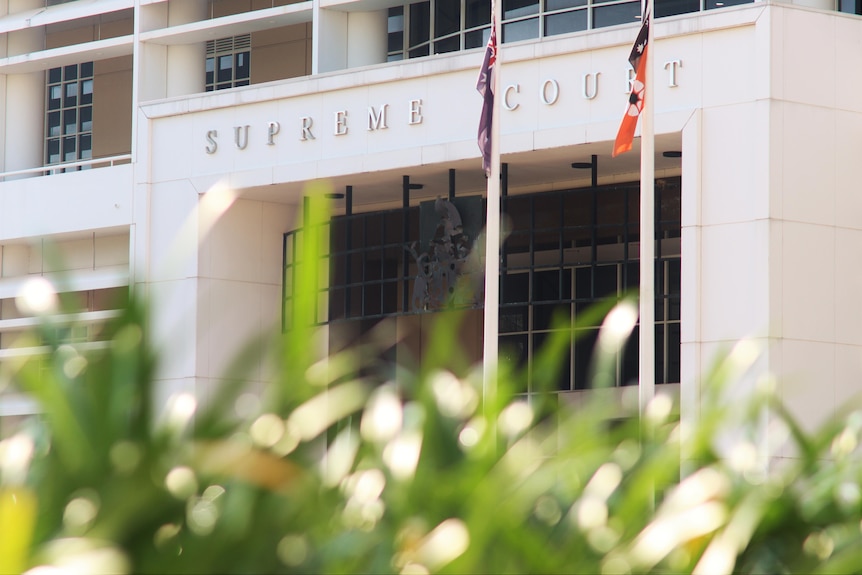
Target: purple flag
(485,86)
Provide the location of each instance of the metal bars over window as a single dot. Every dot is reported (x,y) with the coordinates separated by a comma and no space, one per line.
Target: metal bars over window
(571,250)
(567,252)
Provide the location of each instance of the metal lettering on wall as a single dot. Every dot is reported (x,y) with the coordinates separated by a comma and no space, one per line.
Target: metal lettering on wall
(377,116)
(449,272)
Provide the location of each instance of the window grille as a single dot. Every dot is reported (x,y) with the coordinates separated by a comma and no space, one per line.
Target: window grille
(567,251)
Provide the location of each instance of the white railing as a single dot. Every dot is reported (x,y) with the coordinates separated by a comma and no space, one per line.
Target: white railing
(69,166)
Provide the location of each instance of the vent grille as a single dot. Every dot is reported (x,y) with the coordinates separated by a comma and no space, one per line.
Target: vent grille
(234,44)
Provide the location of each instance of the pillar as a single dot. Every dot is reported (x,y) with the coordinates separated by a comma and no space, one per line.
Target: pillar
(185,62)
(366,38)
(25,96)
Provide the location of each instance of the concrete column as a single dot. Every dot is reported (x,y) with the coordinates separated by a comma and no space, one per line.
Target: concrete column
(366,38)
(329,33)
(3,107)
(185,62)
(25,96)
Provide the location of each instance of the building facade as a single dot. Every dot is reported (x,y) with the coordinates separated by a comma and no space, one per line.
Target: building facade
(167,146)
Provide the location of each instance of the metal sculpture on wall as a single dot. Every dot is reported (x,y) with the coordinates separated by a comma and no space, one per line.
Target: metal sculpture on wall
(446,269)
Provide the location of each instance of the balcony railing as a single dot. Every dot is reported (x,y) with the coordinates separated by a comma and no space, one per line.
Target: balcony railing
(68,167)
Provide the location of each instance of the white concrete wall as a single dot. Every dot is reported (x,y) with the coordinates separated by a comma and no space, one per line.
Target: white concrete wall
(817,212)
(214,278)
(771,215)
(67,203)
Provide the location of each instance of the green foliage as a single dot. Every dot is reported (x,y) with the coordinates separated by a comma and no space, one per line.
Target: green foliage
(336,473)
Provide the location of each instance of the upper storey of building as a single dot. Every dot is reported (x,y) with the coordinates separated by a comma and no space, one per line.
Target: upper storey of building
(77,70)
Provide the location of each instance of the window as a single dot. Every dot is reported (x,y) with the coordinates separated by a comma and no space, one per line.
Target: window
(228,62)
(850,6)
(567,251)
(440,26)
(69,115)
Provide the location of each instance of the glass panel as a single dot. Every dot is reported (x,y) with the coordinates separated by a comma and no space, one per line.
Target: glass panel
(518,209)
(546,211)
(336,303)
(70,72)
(373,230)
(606,281)
(70,121)
(447,17)
(477,13)
(223,86)
(673,7)
(55,75)
(390,297)
(546,285)
(551,5)
(513,350)
(85,146)
(420,51)
(630,359)
(395,41)
(673,358)
(394,223)
(395,21)
(632,275)
(54,95)
(69,154)
(53,151)
(546,316)
(86,119)
(585,342)
(616,14)
(241,83)
(70,97)
(565,22)
(452,44)
(516,288)
(659,354)
(371,299)
(522,30)
(514,318)
(674,289)
(611,208)
(53,123)
(243,66)
(561,373)
(357,268)
(225,68)
(87,92)
(87,70)
(420,24)
(595,286)
(475,39)
(711,4)
(210,70)
(517,8)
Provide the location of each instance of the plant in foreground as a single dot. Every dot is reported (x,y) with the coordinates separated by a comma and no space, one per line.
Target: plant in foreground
(418,471)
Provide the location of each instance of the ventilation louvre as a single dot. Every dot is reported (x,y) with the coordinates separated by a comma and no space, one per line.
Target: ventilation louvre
(235,43)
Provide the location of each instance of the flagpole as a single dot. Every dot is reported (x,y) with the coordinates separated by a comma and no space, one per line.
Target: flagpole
(492,233)
(646,383)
